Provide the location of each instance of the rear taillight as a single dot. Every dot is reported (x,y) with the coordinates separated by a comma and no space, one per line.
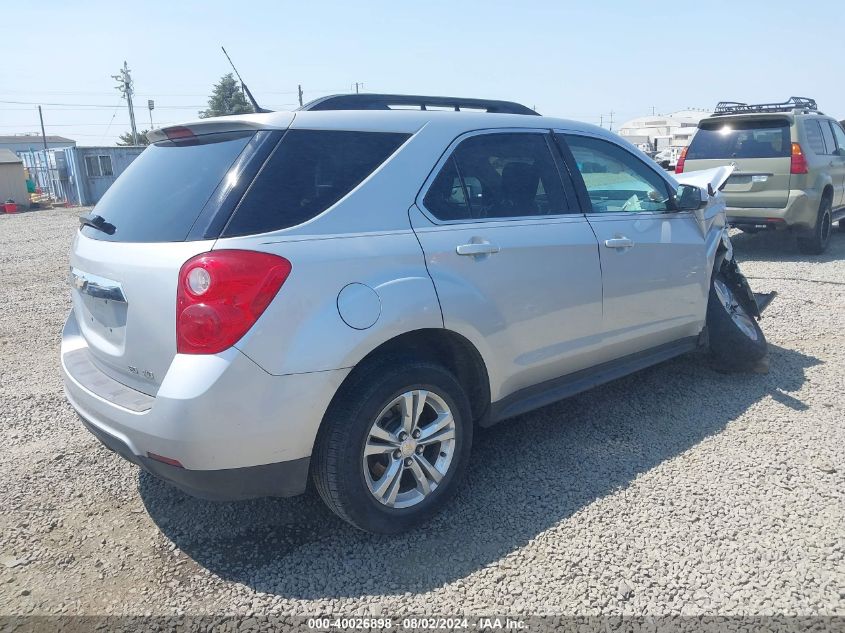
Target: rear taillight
(679,168)
(799,162)
(221,294)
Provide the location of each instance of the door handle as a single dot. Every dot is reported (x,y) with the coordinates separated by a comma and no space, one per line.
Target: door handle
(477,248)
(619,242)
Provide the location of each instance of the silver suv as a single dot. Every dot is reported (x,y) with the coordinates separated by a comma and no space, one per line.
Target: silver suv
(346,291)
(789,161)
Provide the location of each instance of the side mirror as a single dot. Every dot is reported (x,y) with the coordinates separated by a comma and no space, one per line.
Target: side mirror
(690,198)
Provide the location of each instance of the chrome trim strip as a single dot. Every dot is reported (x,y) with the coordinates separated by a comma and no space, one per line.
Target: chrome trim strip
(96,286)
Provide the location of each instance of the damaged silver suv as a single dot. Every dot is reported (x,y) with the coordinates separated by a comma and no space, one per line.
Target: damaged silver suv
(345,292)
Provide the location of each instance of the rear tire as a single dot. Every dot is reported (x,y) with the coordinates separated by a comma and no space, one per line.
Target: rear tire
(736,341)
(817,243)
(369,470)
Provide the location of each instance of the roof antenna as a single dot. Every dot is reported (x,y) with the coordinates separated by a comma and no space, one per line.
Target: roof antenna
(248,94)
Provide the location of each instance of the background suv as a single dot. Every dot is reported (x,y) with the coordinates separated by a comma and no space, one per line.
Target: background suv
(790,166)
(345,292)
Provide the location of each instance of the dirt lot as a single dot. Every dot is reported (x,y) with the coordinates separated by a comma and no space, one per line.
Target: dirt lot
(679,490)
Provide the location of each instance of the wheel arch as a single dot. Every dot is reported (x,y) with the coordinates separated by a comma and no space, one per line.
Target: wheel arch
(442,346)
(827,191)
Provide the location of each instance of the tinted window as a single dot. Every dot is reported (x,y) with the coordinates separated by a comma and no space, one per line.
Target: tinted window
(741,139)
(830,144)
(840,136)
(501,176)
(446,198)
(307,173)
(815,141)
(160,195)
(615,179)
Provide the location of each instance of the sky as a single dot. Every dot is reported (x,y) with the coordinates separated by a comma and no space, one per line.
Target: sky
(581,60)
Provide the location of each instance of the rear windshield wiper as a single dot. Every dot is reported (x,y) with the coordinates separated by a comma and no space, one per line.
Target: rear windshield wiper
(97,222)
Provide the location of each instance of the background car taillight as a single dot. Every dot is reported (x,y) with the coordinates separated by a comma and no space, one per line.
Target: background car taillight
(221,294)
(679,168)
(799,162)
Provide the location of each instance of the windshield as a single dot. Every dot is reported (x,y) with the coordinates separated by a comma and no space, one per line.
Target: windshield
(741,139)
(161,194)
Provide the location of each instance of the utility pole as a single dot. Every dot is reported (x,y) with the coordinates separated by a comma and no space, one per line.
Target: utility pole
(611,120)
(299,87)
(49,180)
(357,84)
(125,86)
(601,120)
(151,104)
(43,134)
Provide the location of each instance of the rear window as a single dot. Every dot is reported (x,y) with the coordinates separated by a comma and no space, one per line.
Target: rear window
(307,173)
(161,194)
(741,139)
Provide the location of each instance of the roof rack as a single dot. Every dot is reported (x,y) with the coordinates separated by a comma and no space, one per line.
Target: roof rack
(388,102)
(793,103)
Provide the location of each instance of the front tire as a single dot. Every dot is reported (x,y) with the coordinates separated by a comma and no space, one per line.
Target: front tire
(817,243)
(736,341)
(393,445)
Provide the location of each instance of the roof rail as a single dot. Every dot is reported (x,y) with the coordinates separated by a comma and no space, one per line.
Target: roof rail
(368,101)
(793,103)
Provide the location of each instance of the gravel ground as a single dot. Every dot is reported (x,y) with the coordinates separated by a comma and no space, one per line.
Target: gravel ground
(679,490)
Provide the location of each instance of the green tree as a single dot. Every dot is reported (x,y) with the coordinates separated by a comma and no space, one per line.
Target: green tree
(226,98)
(126,139)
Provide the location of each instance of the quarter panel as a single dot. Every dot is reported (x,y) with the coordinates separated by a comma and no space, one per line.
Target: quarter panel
(302,330)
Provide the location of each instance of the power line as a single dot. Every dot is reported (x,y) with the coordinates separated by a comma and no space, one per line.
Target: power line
(114,114)
(152,93)
(85,106)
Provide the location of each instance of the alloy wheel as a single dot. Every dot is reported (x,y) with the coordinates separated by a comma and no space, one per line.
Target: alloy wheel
(409,449)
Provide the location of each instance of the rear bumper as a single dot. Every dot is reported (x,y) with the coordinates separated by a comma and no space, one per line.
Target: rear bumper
(800,213)
(238,431)
(285,479)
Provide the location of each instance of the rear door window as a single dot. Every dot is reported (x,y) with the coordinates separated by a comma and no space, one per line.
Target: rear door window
(446,199)
(160,195)
(840,136)
(308,172)
(766,138)
(830,144)
(500,175)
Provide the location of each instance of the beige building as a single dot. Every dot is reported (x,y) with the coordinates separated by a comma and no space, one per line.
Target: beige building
(664,133)
(12,179)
